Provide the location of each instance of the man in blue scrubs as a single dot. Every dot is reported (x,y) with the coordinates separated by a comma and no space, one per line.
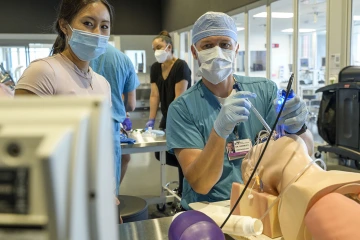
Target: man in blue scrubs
(211,114)
(119,71)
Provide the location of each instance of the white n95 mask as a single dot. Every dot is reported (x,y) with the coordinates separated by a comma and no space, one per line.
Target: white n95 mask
(161,55)
(216,64)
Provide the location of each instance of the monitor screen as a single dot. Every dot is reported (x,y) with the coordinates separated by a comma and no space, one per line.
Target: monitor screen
(304,62)
(90,121)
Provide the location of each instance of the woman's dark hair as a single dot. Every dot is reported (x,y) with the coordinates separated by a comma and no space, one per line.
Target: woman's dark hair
(68,9)
(165,37)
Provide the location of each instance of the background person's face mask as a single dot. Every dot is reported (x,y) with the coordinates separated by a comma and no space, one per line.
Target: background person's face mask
(87,46)
(216,64)
(161,55)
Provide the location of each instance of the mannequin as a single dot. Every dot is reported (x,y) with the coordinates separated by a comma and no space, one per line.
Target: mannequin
(301,209)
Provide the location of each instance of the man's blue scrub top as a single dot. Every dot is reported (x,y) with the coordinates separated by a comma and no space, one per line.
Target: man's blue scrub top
(191,118)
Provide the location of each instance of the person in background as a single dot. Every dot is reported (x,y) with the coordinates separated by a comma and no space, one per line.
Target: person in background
(119,71)
(83,29)
(169,77)
(212,113)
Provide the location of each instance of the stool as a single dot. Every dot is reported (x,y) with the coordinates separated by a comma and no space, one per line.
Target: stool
(132,208)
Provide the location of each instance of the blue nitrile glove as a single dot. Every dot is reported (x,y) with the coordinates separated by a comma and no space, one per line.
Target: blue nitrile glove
(124,139)
(150,123)
(127,124)
(234,110)
(294,114)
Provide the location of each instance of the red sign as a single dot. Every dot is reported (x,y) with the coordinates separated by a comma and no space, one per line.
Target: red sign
(275,45)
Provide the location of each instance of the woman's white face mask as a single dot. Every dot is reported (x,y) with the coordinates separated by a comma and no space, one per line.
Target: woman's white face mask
(161,55)
(216,64)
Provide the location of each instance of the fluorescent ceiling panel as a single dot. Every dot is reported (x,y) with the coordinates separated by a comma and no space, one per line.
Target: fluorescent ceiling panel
(302,30)
(274,15)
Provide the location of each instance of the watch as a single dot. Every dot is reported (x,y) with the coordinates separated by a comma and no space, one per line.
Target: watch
(301,131)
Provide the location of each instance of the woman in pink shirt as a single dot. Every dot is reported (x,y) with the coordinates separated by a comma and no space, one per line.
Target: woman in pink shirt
(83,29)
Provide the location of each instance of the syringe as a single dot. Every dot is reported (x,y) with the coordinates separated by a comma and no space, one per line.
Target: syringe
(257,114)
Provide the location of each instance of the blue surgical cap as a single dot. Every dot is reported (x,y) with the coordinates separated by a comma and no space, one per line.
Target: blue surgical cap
(214,24)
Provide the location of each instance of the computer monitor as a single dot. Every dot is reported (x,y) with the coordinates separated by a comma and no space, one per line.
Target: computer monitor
(304,62)
(98,155)
(29,178)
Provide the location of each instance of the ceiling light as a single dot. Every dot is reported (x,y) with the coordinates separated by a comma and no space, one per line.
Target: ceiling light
(274,15)
(302,30)
(356,18)
(239,29)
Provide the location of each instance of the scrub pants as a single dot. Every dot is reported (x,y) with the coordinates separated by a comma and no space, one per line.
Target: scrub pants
(117,156)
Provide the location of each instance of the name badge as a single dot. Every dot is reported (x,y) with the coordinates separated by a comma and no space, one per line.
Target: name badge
(238,148)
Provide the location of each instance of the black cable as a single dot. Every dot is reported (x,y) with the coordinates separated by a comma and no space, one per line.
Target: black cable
(288,88)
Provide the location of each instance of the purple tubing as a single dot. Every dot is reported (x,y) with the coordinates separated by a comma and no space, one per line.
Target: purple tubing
(194,225)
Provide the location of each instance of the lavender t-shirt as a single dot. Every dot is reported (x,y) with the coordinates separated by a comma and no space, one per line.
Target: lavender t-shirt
(57,75)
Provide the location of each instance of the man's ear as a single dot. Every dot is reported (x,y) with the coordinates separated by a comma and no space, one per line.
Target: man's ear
(237,49)
(64,26)
(193,51)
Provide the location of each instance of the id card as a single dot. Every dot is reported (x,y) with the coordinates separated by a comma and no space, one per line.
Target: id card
(238,148)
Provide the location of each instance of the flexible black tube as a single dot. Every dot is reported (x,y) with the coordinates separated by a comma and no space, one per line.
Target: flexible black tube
(288,88)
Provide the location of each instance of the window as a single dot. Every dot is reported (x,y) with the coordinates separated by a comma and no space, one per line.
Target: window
(14,60)
(185,47)
(355,34)
(282,16)
(39,50)
(257,42)
(138,59)
(240,58)
(312,47)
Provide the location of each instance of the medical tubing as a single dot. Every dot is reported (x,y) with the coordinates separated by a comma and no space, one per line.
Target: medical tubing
(262,153)
(261,119)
